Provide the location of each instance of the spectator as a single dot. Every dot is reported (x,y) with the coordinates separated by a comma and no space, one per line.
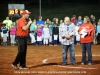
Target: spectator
(40,22)
(47,21)
(56,21)
(8,23)
(50,39)
(52,25)
(95,34)
(94,20)
(45,35)
(80,21)
(91,18)
(4,34)
(12,34)
(39,35)
(34,22)
(73,19)
(98,31)
(32,33)
(61,21)
(55,34)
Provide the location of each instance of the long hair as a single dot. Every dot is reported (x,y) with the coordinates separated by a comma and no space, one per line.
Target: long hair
(88,19)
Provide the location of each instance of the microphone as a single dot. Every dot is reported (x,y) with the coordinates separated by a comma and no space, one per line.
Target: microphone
(30,19)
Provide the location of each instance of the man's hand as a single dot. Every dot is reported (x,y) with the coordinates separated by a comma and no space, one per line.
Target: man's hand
(27,26)
(29,22)
(71,35)
(67,37)
(80,33)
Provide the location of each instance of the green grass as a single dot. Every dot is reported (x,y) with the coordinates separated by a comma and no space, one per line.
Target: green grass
(59,11)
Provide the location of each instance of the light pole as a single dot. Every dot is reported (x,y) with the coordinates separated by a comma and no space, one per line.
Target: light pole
(39,7)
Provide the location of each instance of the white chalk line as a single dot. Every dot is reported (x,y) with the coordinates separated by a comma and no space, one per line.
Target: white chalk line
(74,67)
(45,62)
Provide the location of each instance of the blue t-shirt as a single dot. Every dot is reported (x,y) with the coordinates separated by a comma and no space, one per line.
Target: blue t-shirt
(40,22)
(79,21)
(4,30)
(98,28)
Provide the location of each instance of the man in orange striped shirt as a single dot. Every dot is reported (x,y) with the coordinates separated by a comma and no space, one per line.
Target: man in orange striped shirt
(22,33)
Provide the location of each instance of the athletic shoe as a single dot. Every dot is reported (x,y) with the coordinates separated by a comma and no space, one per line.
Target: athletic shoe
(82,63)
(23,67)
(89,64)
(14,66)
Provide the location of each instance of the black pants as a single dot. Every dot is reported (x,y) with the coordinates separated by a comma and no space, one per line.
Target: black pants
(22,49)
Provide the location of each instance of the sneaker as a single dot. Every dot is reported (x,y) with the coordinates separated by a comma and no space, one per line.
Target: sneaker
(55,45)
(23,67)
(82,63)
(50,45)
(89,64)
(14,66)
(46,44)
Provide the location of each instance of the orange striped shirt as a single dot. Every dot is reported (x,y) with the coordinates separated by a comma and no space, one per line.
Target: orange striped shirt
(20,32)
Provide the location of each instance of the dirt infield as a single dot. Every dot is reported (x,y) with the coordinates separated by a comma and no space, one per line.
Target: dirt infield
(46,60)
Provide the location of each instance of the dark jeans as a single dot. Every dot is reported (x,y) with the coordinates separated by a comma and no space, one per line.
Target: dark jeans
(22,49)
(65,53)
(55,42)
(86,47)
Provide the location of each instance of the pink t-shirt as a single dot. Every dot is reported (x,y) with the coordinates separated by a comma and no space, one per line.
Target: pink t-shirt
(39,32)
(12,31)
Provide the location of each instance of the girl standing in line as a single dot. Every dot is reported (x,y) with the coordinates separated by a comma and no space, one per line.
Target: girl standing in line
(46,35)
(50,39)
(39,35)
(4,34)
(32,33)
(55,34)
(12,34)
